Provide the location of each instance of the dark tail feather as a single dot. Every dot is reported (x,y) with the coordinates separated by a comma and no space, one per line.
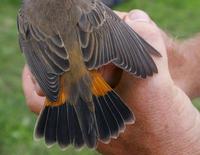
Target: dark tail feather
(41,123)
(111,115)
(75,133)
(103,126)
(125,112)
(87,122)
(51,126)
(59,124)
(63,127)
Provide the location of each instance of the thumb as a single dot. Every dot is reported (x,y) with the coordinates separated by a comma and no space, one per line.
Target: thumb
(140,22)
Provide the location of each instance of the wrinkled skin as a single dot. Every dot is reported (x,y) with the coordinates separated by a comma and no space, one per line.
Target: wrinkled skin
(166,121)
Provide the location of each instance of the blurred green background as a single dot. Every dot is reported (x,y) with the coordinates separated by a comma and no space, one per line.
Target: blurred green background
(180,18)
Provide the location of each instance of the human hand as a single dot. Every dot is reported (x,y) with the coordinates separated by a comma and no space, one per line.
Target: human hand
(167,123)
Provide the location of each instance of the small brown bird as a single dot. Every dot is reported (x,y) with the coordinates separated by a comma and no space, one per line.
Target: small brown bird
(64,43)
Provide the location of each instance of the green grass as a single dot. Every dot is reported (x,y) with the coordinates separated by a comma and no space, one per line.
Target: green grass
(178,17)
(16,122)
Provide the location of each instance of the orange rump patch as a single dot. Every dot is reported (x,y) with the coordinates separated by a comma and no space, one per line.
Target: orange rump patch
(99,86)
(60,101)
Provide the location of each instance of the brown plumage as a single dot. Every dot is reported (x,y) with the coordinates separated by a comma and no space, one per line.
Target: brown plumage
(64,43)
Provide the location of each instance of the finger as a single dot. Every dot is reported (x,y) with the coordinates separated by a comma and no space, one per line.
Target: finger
(111,74)
(34,102)
(39,90)
(36,85)
(147,29)
(122,15)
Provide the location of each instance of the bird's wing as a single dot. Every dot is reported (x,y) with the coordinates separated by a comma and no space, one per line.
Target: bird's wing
(105,38)
(46,56)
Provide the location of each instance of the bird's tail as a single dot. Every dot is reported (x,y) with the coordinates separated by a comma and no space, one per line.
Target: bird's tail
(111,112)
(79,124)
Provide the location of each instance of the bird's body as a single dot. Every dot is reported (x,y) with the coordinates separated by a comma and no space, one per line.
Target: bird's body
(65,42)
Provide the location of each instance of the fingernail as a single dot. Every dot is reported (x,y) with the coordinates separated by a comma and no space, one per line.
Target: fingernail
(138,15)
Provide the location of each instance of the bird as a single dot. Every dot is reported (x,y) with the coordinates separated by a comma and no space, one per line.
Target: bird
(64,43)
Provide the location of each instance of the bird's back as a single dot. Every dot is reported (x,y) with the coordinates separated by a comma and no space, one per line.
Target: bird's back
(51,15)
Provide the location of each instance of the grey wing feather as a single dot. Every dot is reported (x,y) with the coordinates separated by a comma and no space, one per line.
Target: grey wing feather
(46,56)
(106,38)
